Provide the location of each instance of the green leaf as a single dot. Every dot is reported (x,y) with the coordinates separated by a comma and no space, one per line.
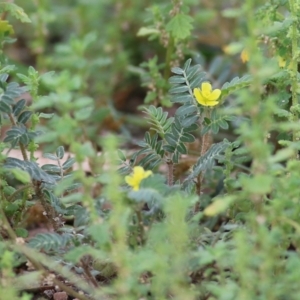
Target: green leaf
(186,109)
(171,140)
(180,26)
(18,107)
(235,84)
(24,116)
(7,99)
(68,163)
(11,208)
(49,241)
(182,98)
(144,31)
(6,28)
(46,116)
(207,160)
(177,70)
(151,147)
(21,175)
(52,169)
(21,232)
(5,107)
(176,80)
(16,11)
(178,89)
(158,119)
(259,184)
(187,138)
(50,156)
(189,120)
(218,206)
(181,148)
(121,155)
(60,152)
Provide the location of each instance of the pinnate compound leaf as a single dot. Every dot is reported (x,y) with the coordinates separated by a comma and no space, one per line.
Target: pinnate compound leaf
(50,241)
(235,84)
(207,160)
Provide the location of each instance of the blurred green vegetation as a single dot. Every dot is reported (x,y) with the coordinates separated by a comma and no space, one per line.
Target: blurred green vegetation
(153,160)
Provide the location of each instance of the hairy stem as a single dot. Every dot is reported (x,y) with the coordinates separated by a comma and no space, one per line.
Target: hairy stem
(170,172)
(206,141)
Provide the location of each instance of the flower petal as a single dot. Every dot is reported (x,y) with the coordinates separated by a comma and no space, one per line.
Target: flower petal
(206,88)
(147,174)
(211,103)
(136,177)
(129,180)
(138,171)
(215,95)
(200,99)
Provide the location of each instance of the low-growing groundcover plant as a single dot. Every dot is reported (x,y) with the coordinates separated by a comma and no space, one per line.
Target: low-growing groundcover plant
(227,228)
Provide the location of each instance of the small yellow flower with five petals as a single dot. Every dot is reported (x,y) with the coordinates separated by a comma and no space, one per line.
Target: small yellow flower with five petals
(206,96)
(136,177)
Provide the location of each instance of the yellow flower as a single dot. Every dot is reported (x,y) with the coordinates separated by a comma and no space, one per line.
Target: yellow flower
(245,56)
(206,96)
(136,177)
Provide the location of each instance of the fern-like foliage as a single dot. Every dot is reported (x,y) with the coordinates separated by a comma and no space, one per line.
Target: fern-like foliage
(216,122)
(158,120)
(153,150)
(206,161)
(236,84)
(183,83)
(187,115)
(50,241)
(174,132)
(177,138)
(30,167)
